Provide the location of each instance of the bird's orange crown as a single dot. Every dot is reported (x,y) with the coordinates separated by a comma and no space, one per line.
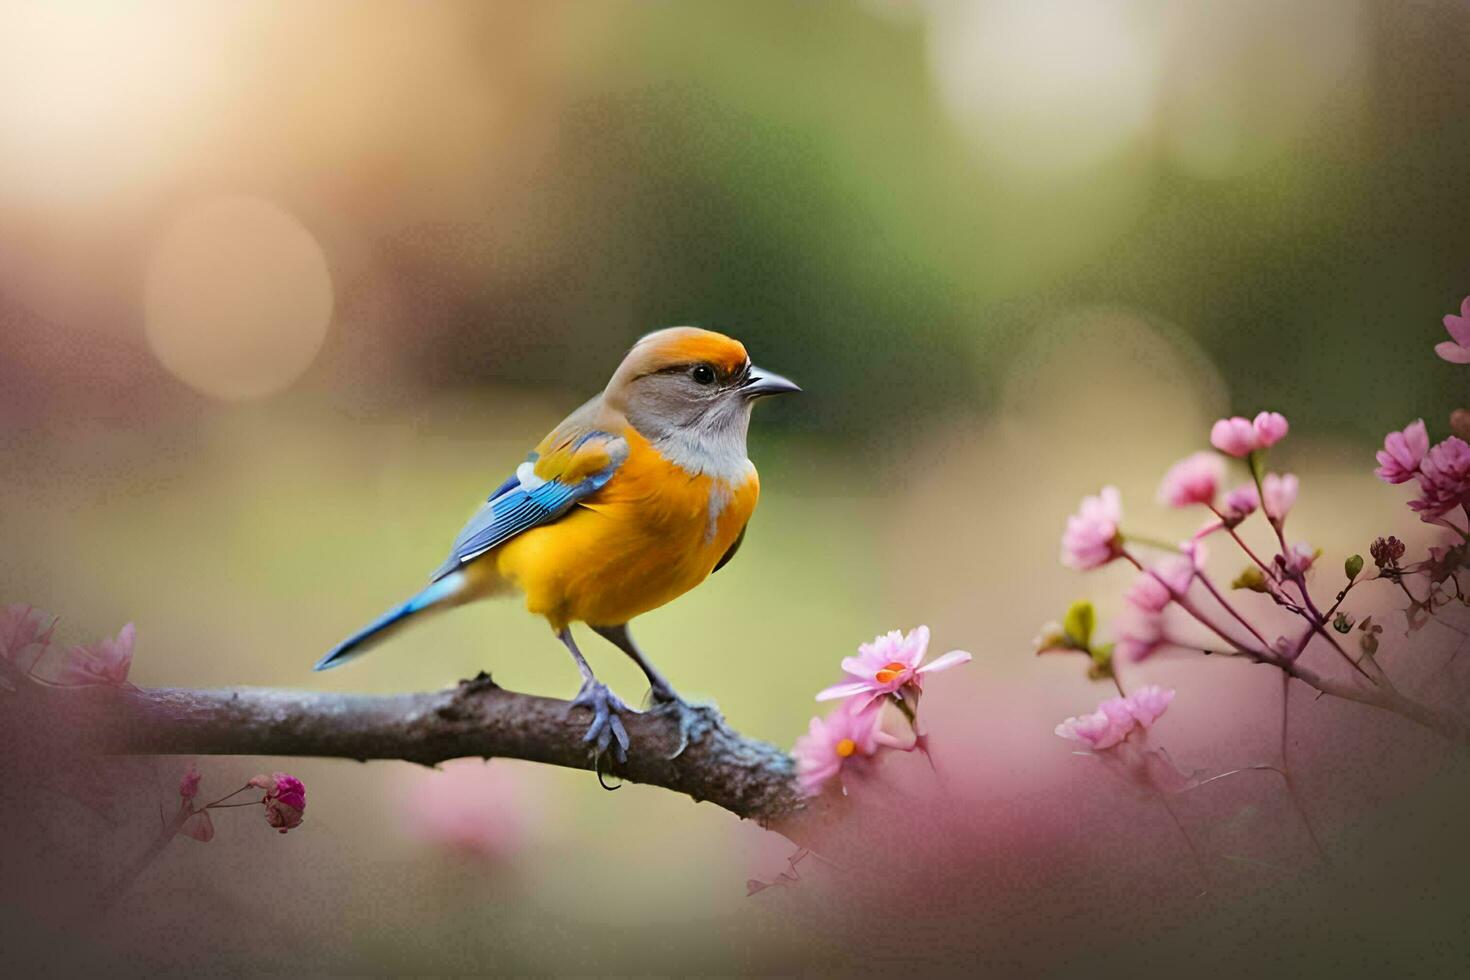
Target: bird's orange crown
(677,346)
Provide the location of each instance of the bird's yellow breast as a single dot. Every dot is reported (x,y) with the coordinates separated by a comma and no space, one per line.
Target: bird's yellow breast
(654,532)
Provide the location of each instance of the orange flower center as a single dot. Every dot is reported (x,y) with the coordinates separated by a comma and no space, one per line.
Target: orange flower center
(846,747)
(890,671)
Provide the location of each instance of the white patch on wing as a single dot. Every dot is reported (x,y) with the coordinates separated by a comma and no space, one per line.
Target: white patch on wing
(526,474)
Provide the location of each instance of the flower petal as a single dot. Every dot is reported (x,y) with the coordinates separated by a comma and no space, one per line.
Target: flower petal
(843,691)
(1459,327)
(1453,352)
(952,659)
(199,826)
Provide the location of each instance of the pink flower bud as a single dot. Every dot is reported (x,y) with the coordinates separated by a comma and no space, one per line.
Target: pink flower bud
(1241,502)
(1298,558)
(189,783)
(1091,538)
(1278,495)
(1270,428)
(1234,436)
(1192,480)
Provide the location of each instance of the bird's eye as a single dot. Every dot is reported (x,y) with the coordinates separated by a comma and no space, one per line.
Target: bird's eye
(704,374)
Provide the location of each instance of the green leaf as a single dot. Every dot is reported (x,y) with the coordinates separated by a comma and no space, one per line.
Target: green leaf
(1079,623)
(1353,566)
(1257,460)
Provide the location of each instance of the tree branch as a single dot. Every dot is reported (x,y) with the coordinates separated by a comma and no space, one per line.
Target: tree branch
(748,777)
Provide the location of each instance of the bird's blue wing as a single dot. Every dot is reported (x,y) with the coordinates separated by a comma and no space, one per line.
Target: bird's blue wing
(570,467)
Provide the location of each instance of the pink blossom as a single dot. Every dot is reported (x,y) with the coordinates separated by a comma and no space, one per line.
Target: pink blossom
(1298,558)
(24,635)
(1092,539)
(104,662)
(1140,632)
(189,783)
(849,732)
(1241,502)
(1402,452)
(1234,436)
(1444,479)
(1155,588)
(1104,728)
(1116,717)
(1148,594)
(285,799)
(1269,428)
(1457,351)
(1149,703)
(199,826)
(1192,480)
(471,807)
(1278,495)
(889,664)
(1178,571)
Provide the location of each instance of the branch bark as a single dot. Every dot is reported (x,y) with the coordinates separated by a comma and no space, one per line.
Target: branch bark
(748,777)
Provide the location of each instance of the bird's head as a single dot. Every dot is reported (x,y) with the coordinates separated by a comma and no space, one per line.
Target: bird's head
(691,385)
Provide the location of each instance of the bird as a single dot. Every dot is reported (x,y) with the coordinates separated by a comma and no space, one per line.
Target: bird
(634,499)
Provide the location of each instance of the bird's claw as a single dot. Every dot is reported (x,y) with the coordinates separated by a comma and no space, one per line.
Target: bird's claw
(695,720)
(607,730)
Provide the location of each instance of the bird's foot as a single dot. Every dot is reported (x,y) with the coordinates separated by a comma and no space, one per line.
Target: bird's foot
(695,719)
(607,728)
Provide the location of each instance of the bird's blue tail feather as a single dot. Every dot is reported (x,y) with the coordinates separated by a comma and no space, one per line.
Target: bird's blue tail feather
(365,639)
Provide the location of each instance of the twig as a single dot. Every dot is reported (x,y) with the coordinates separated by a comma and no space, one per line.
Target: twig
(750,778)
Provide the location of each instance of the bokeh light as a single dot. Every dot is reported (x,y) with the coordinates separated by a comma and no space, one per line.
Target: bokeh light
(239,298)
(1046,87)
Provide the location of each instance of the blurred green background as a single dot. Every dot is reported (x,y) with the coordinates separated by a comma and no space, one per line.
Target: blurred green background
(285,289)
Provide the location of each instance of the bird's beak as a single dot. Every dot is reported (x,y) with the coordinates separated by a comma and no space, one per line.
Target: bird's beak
(760,383)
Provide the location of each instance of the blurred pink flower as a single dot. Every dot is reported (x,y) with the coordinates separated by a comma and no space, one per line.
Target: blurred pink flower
(471,807)
(1457,351)
(1193,480)
(1104,728)
(104,662)
(850,731)
(285,800)
(1299,558)
(1140,632)
(1156,587)
(24,635)
(889,663)
(1148,593)
(189,783)
(1402,452)
(1091,538)
(199,826)
(1149,703)
(1444,479)
(1178,571)
(1278,495)
(1234,436)
(1116,717)
(1269,428)
(1241,502)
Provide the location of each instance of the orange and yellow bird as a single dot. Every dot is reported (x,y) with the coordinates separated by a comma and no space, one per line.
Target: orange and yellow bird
(629,503)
